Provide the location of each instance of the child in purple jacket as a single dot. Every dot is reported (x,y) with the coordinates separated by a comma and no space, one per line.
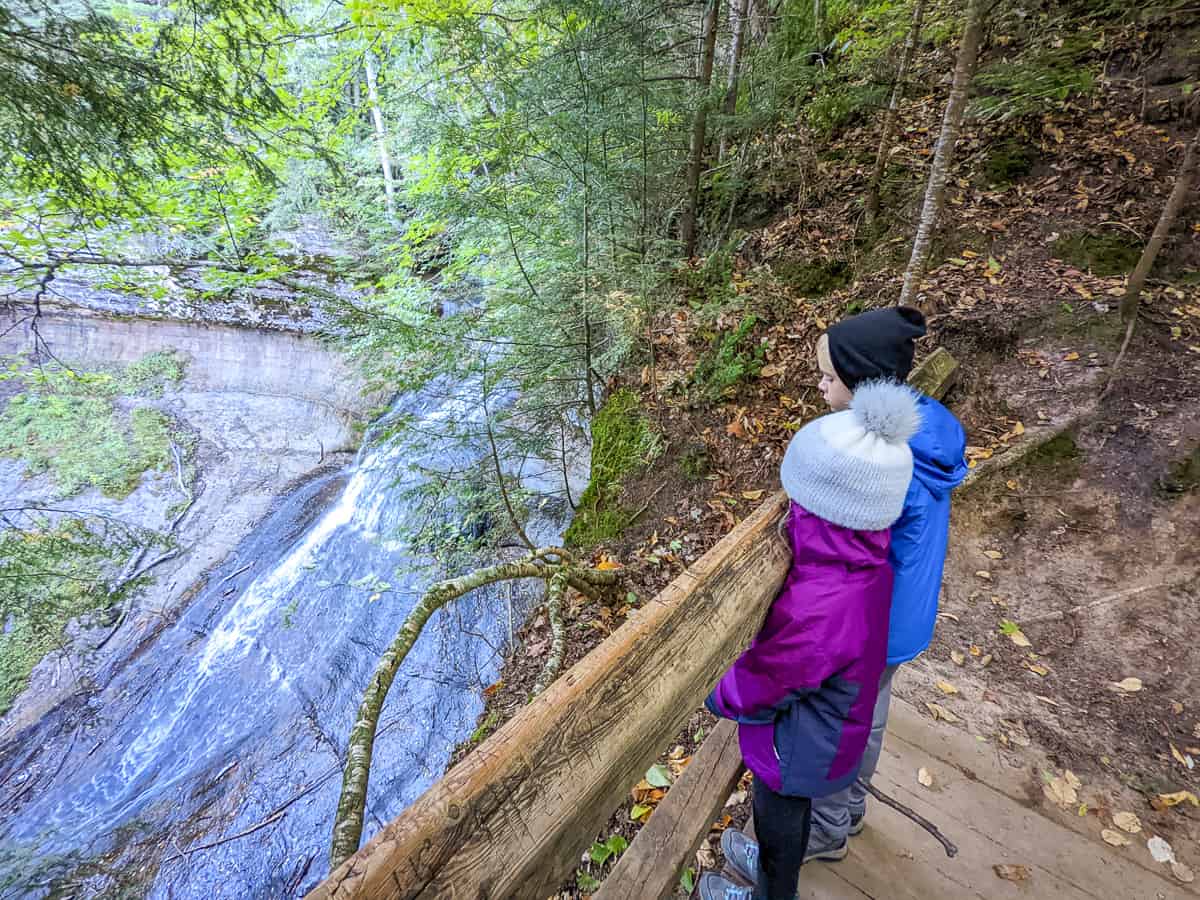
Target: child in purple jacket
(804,691)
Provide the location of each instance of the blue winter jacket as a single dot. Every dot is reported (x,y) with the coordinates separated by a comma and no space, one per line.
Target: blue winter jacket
(920,535)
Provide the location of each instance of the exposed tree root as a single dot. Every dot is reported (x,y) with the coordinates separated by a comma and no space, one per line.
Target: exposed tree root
(554,565)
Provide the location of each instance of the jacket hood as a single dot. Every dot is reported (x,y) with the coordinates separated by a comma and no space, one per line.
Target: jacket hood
(938,449)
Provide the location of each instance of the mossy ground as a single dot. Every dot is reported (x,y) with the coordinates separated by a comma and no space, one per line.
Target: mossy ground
(90,429)
(1105,253)
(623,442)
(86,429)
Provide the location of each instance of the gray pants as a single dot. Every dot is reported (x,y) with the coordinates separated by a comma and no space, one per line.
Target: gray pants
(831,815)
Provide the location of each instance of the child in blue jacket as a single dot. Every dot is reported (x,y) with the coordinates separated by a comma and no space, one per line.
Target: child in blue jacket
(873,345)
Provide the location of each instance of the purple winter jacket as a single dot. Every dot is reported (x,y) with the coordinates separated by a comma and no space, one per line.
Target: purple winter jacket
(804,690)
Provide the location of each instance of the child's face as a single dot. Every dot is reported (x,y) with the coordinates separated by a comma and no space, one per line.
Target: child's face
(836,394)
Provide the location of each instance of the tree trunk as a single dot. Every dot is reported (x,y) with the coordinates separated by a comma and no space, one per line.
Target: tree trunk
(381,140)
(819,24)
(740,14)
(1175,202)
(943,157)
(687,227)
(347,828)
(1137,280)
(893,111)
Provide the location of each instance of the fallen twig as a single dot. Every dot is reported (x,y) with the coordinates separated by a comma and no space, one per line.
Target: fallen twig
(1111,598)
(951,850)
(233,575)
(1028,446)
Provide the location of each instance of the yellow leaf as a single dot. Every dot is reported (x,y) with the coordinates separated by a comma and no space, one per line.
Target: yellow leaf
(984,574)
(753,495)
(1071,357)
(1018,638)
(940,712)
(1127,821)
(1178,797)
(1129,685)
(947,688)
(1019,428)
(1179,757)
(1011,484)
(1038,669)
(1115,838)
(924,777)
(993,554)
(1059,792)
(958,657)
(607,565)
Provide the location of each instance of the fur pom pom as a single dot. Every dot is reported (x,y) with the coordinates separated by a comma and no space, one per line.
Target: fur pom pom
(887,409)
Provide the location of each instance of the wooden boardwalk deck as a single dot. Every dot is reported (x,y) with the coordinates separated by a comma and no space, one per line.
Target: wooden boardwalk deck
(996,815)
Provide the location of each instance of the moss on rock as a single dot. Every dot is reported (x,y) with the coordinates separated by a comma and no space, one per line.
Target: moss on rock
(623,442)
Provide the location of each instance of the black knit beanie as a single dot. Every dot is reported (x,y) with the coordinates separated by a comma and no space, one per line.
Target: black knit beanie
(875,344)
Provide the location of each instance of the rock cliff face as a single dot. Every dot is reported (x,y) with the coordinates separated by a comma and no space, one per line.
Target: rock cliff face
(266,410)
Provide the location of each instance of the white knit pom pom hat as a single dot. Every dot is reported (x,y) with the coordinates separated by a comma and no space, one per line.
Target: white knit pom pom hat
(853,467)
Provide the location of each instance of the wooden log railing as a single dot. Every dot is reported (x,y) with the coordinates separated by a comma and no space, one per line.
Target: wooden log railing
(513,818)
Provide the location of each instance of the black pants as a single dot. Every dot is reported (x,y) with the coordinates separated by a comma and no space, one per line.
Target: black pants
(781,826)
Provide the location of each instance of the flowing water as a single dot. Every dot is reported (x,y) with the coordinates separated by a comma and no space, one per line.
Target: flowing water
(207,766)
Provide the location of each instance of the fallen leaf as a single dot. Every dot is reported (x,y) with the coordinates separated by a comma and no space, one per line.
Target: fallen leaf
(1160,850)
(1176,707)
(924,777)
(1012,484)
(984,574)
(1129,685)
(735,428)
(1127,821)
(1185,761)
(946,688)
(1014,632)
(993,554)
(1169,800)
(1182,872)
(940,712)
(658,776)
(958,657)
(1071,357)
(492,688)
(1038,669)
(1059,792)
(1011,872)
(987,658)
(1115,838)
(607,565)
(1072,779)
(771,370)
(640,812)
(753,495)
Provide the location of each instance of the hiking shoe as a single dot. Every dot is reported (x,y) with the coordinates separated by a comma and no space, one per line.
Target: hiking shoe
(828,853)
(856,825)
(718,887)
(741,854)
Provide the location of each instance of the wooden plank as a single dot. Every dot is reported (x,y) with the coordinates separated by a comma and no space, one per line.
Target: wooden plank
(681,821)
(513,818)
(936,374)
